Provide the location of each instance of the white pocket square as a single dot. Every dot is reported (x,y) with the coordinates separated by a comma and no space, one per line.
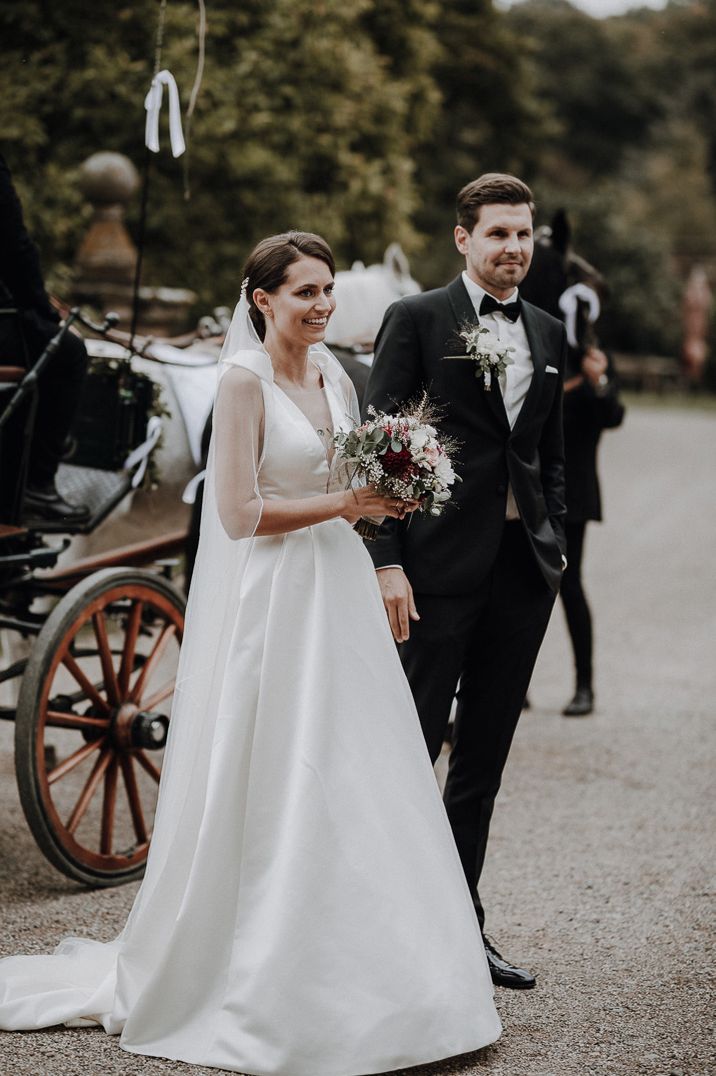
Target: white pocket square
(551,370)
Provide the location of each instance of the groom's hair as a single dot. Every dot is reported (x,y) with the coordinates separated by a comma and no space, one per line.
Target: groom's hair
(490,189)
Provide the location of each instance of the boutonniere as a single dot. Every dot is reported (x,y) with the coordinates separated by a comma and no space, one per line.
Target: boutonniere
(484,349)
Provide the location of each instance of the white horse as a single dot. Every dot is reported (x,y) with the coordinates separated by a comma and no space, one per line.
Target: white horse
(363,294)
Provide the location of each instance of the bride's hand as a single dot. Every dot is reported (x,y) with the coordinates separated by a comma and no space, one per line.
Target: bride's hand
(367,502)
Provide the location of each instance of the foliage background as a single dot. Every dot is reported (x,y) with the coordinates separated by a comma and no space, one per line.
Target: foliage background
(362,120)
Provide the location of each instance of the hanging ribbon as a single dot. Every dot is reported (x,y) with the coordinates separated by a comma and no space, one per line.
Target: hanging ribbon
(569,302)
(153,105)
(139,457)
(192,488)
(194,95)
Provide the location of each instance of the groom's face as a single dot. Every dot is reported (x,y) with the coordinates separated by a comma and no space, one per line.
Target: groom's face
(498,250)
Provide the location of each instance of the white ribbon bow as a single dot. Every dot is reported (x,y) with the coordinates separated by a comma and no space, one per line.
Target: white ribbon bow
(568,303)
(153,105)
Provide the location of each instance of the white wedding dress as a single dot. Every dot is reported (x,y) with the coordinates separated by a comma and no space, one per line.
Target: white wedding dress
(304,911)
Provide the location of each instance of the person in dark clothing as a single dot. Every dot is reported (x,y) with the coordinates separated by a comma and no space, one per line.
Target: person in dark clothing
(22,339)
(591,404)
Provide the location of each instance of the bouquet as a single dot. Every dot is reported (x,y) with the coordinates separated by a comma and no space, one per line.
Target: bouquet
(402,457)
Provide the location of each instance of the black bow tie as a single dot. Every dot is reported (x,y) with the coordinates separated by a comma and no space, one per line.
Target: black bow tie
(491,306)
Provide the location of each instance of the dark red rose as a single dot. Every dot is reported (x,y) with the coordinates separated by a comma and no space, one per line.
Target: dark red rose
(398,464)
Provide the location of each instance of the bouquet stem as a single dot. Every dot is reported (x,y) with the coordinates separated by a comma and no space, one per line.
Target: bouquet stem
(366,528)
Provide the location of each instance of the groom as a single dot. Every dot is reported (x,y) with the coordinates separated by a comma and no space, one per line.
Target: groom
(469,594)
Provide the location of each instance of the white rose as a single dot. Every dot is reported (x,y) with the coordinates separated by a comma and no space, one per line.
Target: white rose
(444,471)
(488,343)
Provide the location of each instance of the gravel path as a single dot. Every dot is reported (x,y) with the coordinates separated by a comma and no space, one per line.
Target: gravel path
(600,869)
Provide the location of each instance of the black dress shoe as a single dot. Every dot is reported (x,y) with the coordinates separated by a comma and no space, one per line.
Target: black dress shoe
(44,503)
(582,703)
(505,974)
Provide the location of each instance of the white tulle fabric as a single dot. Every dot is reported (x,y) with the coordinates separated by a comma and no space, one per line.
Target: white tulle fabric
(304,911)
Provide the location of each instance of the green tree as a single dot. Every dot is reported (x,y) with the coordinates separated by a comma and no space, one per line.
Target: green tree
(632,150)
(588,79)
(300,123)
(488,120)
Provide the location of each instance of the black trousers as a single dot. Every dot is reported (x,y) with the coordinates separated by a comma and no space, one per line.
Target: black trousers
(576,608)
(59,387)
(488,641)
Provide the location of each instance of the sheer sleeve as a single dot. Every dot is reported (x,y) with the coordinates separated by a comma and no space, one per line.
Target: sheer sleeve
(238,440)
(351,398)
(344,476)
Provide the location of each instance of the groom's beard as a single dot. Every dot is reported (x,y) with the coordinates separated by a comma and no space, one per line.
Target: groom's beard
(508,274)
(515,268)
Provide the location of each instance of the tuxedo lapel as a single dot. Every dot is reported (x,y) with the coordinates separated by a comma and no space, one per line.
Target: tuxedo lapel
(464,314)
(538,354)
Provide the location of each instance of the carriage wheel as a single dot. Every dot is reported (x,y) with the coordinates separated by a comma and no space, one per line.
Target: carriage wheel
(92,720)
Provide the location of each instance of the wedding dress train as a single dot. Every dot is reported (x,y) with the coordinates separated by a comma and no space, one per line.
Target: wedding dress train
(304,910)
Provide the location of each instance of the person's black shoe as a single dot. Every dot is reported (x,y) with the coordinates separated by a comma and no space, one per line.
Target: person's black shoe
(582,703)
(505,974)
(45,504)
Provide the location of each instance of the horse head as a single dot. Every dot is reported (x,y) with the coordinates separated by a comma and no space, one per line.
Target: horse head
(363,294)
(563,283)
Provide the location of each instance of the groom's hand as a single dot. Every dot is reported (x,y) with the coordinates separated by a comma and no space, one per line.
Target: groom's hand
(398,601)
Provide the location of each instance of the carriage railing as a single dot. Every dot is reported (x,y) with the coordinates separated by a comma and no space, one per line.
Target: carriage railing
(29,381)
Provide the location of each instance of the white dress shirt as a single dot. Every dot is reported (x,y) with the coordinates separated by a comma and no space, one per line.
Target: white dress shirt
(516,379)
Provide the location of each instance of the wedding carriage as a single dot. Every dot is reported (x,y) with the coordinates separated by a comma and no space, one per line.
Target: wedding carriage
(95,690)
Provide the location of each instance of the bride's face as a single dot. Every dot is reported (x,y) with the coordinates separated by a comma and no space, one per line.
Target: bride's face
(299,310)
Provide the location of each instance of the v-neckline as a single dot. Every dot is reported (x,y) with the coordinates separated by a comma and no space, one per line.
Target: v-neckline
(321,388)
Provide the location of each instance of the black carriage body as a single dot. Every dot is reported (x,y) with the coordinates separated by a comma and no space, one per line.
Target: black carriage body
(95,694)
(112,416)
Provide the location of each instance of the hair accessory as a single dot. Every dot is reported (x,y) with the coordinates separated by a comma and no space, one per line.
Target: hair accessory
(244,287)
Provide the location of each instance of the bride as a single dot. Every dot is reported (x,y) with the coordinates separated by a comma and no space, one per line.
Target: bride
(304,911)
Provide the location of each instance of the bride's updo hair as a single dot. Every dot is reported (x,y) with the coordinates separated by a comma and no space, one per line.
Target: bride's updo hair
(268,263)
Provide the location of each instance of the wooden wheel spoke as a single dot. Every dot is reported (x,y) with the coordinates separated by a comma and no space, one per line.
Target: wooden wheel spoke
(108,805)
(105,657)
(135,803)
(134,622)
(87,686)
(166,634)
(90,787)
(159,696)
(59,719)
(72,761)
(146,763)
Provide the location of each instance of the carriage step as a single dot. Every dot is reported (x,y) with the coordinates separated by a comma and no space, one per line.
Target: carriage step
(101,491)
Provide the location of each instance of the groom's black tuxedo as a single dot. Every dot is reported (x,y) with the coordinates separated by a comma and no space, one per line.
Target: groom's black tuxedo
(454,553)
(484,587)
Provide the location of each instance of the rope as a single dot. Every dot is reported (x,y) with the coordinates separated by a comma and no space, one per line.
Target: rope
(159,44)
(194,95)
(160,36)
